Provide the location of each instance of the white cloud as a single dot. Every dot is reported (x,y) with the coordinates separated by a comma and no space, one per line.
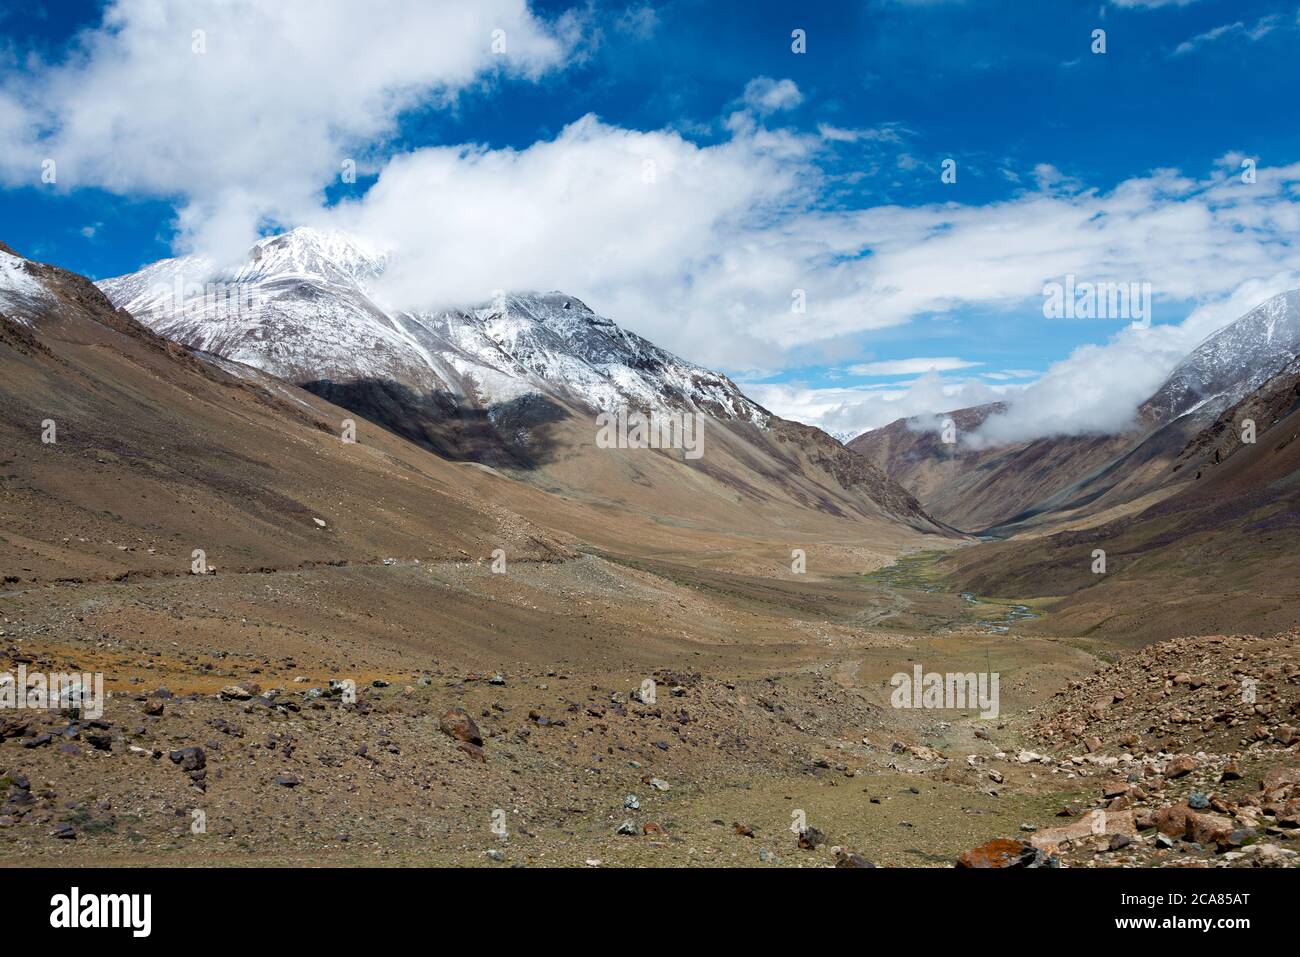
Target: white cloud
(254,127)
(766,95)
(1150,4)
(846,412)
(1009,374)
(910,366)
(1097,389)
(669,237)
(838,134)
(640,21)
(703,248)
(1262,28)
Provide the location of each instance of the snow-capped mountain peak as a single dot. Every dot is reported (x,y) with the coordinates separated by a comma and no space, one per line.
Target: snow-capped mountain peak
(329,255)
(1234,361)
(304,306)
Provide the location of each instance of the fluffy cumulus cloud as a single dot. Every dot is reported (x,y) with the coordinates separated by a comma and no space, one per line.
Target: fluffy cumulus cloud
(244,111)
(719,251)
(675,239)
(766,95)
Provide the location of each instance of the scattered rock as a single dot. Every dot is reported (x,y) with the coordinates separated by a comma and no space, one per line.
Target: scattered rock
(850,859)
(810,839)
(460,727)
(190,759)
(1179,766)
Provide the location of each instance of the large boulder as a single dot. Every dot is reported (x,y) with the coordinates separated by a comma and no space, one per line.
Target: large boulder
(1098,822)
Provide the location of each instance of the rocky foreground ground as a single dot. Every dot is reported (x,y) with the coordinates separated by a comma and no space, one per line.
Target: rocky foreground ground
(1185,753)
(1190,752)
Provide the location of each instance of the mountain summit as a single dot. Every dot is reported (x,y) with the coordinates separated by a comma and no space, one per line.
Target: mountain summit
(307,306)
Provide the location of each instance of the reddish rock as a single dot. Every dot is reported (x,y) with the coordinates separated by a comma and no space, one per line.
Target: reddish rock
(1000,852)
(1280,779)
(810,838)
(13,728)
(1208,828)
(1172,820)
(1288,815)
(458,725)
(850,859)
(1179,766)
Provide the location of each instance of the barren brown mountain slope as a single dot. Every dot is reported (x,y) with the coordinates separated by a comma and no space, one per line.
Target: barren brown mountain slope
(157,453)
(984,489)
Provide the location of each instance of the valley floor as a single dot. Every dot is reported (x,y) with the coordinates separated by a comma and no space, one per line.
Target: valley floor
(772,707)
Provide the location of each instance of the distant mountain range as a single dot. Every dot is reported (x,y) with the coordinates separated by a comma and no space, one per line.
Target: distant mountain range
(1071,479)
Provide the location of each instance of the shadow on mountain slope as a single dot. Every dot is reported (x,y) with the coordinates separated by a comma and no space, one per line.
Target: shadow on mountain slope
(515,434)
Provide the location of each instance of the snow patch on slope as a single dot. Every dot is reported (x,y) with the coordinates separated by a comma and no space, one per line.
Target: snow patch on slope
(21,293)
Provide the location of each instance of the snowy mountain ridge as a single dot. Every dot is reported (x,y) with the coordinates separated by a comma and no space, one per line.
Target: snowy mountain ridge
(304,307)
(1234,361)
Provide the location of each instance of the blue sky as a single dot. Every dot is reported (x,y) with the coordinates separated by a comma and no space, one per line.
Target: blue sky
(848,144)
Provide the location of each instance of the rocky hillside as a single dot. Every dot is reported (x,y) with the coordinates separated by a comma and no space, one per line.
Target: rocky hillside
(1185,753)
